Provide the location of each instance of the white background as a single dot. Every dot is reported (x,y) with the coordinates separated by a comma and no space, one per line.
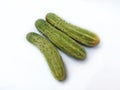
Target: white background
(23,67)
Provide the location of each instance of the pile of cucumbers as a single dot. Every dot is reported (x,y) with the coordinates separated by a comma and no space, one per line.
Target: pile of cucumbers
(63,35)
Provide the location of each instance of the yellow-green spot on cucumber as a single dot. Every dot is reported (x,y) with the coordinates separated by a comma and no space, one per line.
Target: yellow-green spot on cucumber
(81,35)
(61,40)
(51,54)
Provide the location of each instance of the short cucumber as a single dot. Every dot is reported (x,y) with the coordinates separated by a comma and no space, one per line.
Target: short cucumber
(51,54)
(61,40)
(81,35)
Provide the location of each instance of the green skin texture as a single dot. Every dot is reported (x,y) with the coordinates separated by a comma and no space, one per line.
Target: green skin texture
(61,40)
(79,34)
(51,54)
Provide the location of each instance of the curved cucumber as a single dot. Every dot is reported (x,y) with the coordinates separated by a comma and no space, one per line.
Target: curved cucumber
(61,40)
(79,34)
(51,54)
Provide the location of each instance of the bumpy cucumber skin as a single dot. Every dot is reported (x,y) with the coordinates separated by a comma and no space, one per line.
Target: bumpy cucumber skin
(51,54)
(61,40)
(81,35)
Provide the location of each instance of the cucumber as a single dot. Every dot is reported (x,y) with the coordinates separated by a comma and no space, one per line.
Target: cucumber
(51,54)
(81,35)
(61,40)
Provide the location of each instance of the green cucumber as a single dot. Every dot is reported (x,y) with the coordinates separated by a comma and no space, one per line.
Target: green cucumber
(61,40)
(81,35)
(51,54)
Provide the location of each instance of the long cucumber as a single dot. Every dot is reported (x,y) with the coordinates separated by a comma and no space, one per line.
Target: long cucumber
(81,35)
(61,40)
(51,54)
